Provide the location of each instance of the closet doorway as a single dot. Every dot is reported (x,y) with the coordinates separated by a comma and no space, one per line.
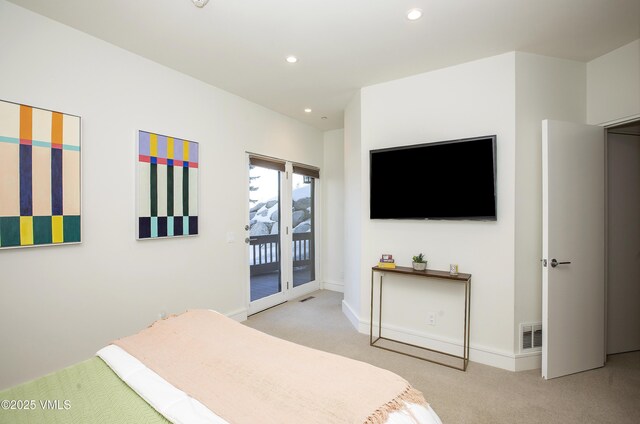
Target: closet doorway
(623,238)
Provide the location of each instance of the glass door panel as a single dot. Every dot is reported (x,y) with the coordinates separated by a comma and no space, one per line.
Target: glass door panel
(303,229)
(264,232)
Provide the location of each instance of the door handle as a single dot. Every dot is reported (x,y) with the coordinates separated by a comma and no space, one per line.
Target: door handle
(555,263)
(249,240)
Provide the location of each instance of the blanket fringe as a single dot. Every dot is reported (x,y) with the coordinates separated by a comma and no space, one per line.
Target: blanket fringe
(409,395)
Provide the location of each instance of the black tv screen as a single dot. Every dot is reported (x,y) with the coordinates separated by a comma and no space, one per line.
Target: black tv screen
(453,179)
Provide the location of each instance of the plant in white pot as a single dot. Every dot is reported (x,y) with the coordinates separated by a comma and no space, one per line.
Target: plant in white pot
(419,263)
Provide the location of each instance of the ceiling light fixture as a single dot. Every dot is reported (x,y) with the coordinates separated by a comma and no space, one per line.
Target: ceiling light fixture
(307,110)
(292,59)
(414,14)
(200,3)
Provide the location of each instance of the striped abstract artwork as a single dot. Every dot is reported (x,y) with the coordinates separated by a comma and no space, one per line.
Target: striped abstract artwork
(167,186)
(39,176)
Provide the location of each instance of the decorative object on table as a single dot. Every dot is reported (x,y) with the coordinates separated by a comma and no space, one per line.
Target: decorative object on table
(167,204)
(39,176)
(386,261)
(453,269)
(419,263)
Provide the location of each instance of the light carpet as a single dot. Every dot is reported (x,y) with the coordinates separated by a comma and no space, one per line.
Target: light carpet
(481,395)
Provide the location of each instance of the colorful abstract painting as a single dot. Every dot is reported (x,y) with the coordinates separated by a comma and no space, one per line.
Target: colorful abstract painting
(39,176)
(167,186)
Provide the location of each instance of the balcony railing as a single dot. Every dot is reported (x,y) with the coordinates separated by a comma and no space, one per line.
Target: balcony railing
(264,252)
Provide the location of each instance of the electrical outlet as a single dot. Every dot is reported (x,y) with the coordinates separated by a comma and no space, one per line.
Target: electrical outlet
(431,320)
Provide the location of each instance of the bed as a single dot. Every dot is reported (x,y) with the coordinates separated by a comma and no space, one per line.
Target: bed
(201,367)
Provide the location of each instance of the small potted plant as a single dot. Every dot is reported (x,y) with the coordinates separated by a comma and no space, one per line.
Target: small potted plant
(419,263)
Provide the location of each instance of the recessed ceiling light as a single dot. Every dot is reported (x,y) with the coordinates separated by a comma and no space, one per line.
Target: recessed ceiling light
(292,59)
(414,14)
(307,110)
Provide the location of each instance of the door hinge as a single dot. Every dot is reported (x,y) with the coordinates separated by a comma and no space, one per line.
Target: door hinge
(287,230)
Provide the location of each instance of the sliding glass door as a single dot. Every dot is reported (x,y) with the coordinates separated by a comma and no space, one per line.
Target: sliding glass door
(281,240)
(264,232)
(302,222)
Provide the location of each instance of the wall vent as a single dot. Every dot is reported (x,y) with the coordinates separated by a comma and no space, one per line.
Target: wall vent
(530,336)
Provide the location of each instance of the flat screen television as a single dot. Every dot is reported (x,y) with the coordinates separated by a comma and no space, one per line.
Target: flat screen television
(453,179)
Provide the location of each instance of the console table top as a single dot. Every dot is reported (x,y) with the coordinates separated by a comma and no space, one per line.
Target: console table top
(426,273)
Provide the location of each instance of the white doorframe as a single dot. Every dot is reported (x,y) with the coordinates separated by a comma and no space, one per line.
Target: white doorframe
(608,126)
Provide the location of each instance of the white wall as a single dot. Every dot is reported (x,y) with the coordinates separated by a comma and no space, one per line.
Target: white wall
(353,204)
(508,95)
(613,85)
(546,88)
(472,99)
(59,305)
(613,95)
(333,223)
(623,239)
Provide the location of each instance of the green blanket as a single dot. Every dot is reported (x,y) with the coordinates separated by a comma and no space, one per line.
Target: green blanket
(88,392)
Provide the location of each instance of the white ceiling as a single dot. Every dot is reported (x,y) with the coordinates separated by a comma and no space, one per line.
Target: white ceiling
(342,45)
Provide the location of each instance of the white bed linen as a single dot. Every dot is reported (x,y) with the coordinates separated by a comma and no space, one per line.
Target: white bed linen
(180,408)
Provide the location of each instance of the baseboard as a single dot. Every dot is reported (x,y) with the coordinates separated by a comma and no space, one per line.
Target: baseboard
(238,315)
(529,361)
(351,316)
(333,286)
(477,353)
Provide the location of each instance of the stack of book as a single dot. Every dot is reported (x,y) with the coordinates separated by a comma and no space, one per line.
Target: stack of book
(386,261)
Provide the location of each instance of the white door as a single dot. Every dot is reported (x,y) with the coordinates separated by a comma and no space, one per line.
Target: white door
(266,236)
(573,239)
(303,234)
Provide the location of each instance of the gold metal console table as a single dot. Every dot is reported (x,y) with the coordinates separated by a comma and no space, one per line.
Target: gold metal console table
(429,273)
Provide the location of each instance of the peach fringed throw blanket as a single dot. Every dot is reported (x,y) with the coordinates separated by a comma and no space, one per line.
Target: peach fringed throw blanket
(246,376)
